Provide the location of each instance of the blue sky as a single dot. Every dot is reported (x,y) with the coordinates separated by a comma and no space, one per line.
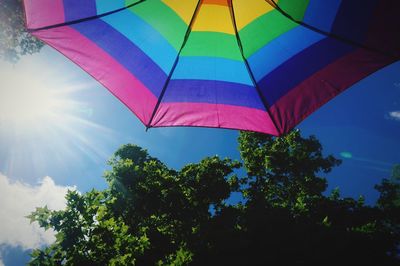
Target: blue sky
(89,124)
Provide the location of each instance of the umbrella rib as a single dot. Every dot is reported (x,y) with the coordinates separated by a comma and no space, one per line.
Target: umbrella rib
(274,4)
(188,31)
(85,19)
(251,74)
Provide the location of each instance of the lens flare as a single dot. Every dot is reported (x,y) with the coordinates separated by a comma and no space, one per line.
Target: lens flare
(372,164)
(346,155)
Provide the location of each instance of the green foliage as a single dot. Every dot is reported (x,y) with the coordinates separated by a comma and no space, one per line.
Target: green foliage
(396,173)
(390,190)
(15,41)
(154,215)
(284,171)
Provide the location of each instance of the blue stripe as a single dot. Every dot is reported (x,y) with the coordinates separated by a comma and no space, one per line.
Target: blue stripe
(321,14)
(125,52)
(279,50)
(290,74)
(104,6)
(150,41)
(74,9)
(211,91)
(212,68)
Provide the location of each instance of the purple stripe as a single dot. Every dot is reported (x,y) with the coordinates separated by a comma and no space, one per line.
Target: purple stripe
(300,67)
(79,9)
(125,52)
(212,91)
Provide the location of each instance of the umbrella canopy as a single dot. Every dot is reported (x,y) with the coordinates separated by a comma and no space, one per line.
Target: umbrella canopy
(258,65)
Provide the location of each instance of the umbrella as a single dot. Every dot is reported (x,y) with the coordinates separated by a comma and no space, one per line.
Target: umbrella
(257,65)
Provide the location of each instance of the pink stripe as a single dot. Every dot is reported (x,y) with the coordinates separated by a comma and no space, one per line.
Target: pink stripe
(41,13)
(103,68)
(213,115)
(314,92)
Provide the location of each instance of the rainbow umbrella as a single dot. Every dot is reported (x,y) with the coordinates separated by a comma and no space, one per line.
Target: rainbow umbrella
(244,64)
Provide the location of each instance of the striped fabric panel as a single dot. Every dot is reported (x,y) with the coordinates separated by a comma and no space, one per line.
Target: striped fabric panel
(314,91)
(287,57)
(125,52)
(131,39)
(211,69)
(211,85)
(301,66)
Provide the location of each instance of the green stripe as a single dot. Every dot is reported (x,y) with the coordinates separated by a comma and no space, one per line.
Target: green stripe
(296,9)
(212,44)
(129,2)
(263,30)
(163,19)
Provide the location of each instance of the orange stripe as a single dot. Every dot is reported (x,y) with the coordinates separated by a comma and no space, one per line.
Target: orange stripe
(217,2)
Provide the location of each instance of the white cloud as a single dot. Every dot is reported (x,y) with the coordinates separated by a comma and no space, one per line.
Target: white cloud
(1,262)
(395,115)
(18,200)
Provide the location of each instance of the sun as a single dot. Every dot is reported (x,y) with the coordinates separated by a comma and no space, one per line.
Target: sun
(34,97)
(27,100)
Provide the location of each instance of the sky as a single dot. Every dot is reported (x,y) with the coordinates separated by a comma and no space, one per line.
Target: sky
(58,127)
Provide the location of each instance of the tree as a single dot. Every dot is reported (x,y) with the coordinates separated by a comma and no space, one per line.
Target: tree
(155,215)
(15,41)
(389,204)
(150,215)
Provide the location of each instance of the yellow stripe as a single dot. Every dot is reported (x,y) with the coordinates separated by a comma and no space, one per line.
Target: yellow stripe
(214,18)
(183,9)
(248,10)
